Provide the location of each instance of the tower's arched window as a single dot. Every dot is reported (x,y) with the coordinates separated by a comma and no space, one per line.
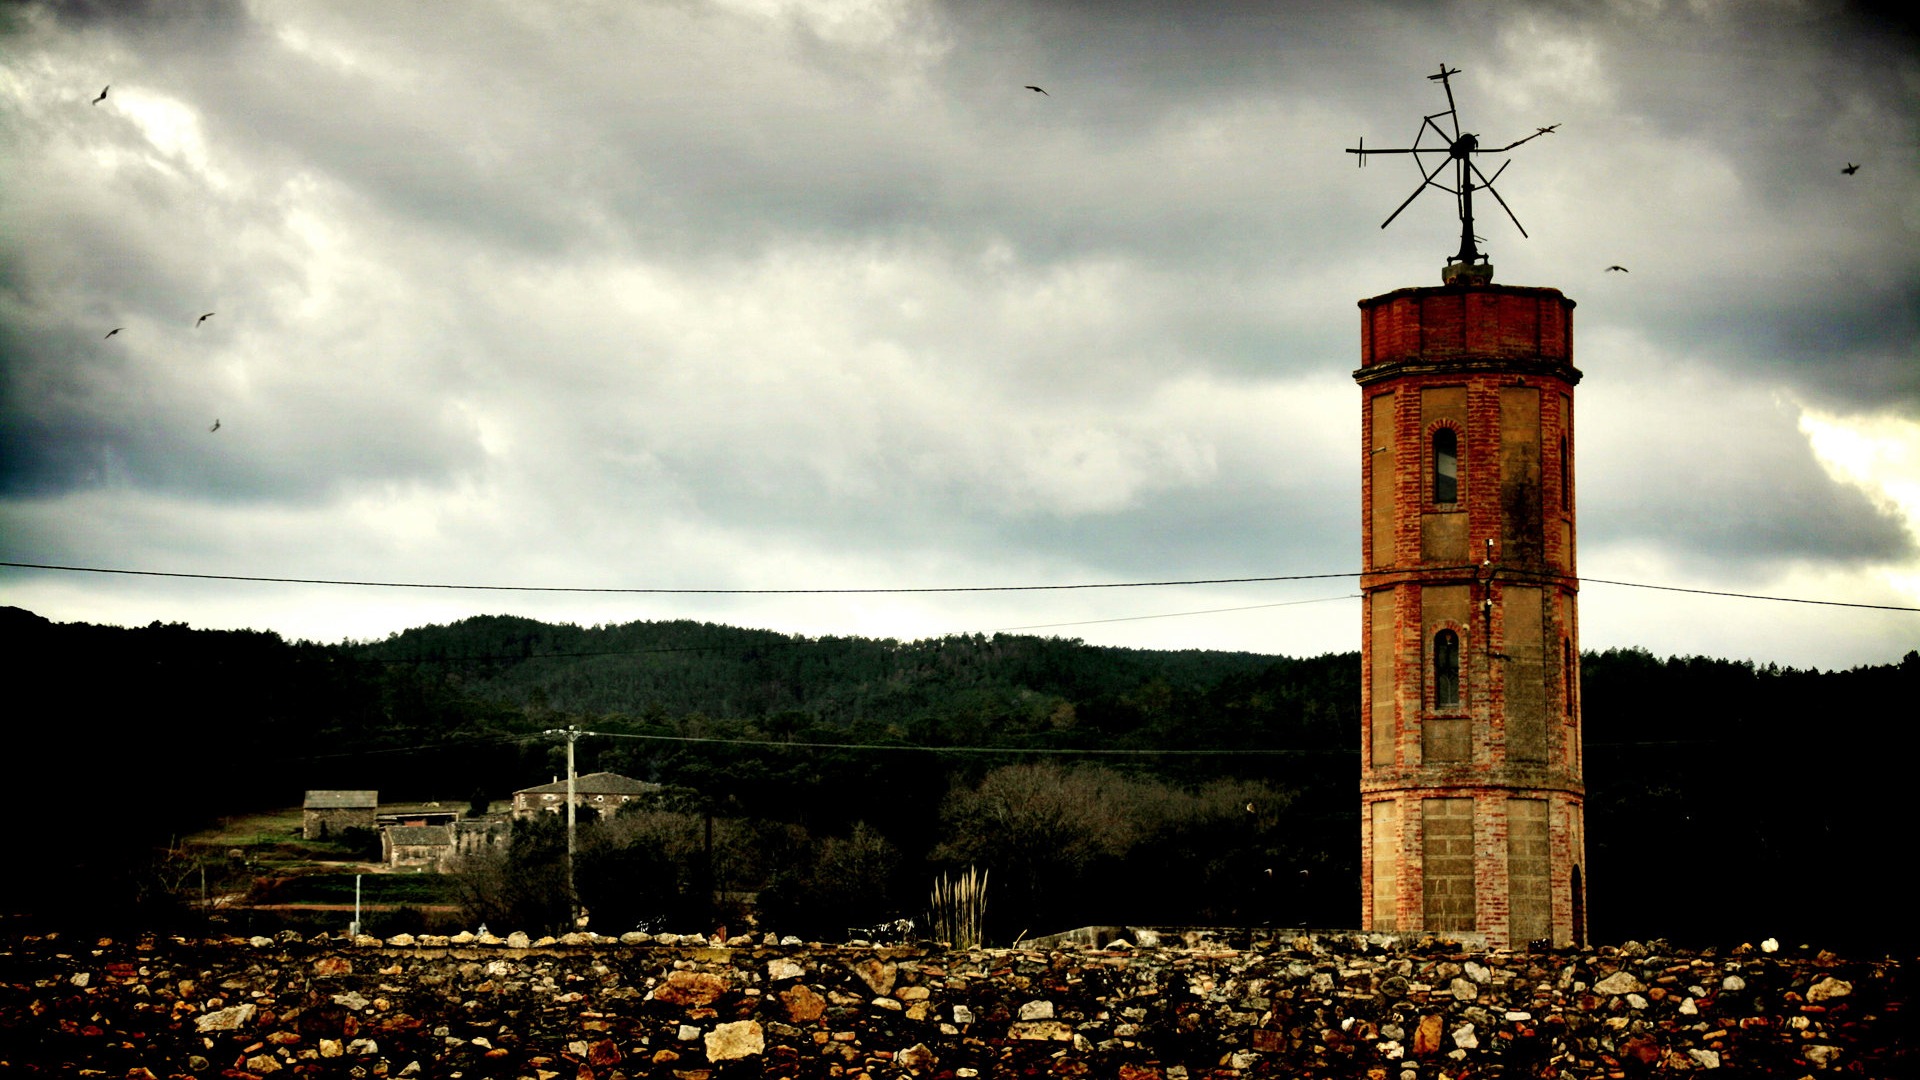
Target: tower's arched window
(1446,465)
(1446,670)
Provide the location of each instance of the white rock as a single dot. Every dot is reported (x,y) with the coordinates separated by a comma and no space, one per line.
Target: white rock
(228,1019)
(1733,982)
(1770,945)
(730,1042)
(1635,1001)
(688,1033)
(782,970)
(1620,982)
(1688,1008)
(1820,1055)
(1464,1038)
(1708,1059)
(1037,1010)
(1827,988)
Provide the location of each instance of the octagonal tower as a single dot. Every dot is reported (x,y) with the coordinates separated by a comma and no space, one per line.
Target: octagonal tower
(1471,789)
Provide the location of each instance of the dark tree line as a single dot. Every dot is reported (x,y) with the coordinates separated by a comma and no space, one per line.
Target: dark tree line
(1726,799)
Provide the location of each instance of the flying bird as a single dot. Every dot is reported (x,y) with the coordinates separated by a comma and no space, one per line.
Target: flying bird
(103,94)
(216,424)
(1037,90)
(201,319)
(1548,130)
(113,331)
(1622,269)
(1851,168)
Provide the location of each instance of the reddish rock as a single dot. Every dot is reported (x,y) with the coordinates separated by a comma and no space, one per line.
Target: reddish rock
(690,988)
(1642,1049)
(603,1053)
(1426,1037)
(802,1004)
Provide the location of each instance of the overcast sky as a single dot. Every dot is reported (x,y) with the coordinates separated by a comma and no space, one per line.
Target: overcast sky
(754,294)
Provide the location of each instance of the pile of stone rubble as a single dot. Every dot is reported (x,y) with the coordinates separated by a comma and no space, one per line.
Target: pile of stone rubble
(584,1006)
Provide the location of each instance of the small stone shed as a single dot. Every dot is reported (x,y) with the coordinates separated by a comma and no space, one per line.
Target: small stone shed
(604,791)
(427,847)
(326,813)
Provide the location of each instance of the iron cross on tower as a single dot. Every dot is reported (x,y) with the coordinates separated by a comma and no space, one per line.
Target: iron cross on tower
(1455,147)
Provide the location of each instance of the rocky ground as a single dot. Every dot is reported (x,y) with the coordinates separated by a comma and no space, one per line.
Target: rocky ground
(1319,1006)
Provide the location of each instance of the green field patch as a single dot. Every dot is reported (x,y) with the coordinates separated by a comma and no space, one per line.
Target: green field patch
(374,889)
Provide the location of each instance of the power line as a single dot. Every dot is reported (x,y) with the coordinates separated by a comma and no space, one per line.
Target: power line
(921,589)
(917,748)
(665,591)
(1749,596)
(1177,614)
(768,744)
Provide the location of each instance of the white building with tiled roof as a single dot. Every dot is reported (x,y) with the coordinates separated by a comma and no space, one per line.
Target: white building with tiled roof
(604,791)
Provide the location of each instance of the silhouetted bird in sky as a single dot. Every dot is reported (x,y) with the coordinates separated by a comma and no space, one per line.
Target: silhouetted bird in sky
(1622,269)
(216,425)
(112,332)
(1851,168)
(1549,129)
(1037,90)
(201,319)
(103,94)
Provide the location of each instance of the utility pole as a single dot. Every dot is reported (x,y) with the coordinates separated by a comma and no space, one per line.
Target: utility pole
(572,735)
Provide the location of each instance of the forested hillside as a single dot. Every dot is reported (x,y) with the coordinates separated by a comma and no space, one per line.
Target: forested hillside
(1725,799)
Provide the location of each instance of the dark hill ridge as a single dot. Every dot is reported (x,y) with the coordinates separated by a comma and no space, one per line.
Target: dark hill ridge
(1724,797)
(680,667)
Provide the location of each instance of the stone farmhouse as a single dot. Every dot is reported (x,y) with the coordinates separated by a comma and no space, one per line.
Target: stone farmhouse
(425,847)
(328,812)
(603,791)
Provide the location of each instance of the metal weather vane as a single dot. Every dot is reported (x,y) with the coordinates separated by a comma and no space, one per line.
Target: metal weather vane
(1456,148)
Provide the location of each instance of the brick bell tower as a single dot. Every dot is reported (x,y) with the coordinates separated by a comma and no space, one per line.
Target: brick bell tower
(1472,802)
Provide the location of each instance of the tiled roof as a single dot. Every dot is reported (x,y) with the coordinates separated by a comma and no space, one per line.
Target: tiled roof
(420,836)
(342,800)
(598,783)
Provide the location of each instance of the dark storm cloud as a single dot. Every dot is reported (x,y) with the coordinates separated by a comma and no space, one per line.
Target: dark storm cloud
(822,291)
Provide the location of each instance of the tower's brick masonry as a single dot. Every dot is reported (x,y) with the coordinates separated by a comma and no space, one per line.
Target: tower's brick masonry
(1471,765)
